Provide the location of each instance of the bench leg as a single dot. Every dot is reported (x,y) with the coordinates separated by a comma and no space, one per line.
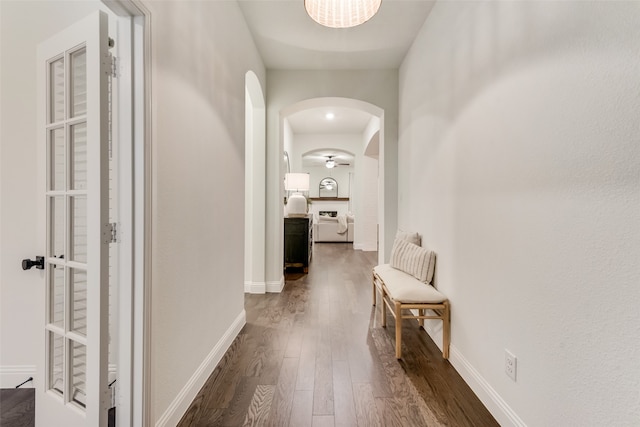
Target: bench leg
(421,321)
(383,314)
(398,311)
(446,330)
(374,292)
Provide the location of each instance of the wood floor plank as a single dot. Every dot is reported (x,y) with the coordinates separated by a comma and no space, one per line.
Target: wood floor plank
(339,342)
(260,406)
(302,409)
(315,354)
(307,366)
(265,364)
(226,387)
(294,343)
(323,421)
(392,413)
(17,407)
(283,397)
(323,382)
(368,413)
(237,410)
(209,417)
(414,409)
(344,406)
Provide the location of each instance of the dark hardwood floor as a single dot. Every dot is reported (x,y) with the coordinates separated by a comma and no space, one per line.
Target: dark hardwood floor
(17,407)
(315,355)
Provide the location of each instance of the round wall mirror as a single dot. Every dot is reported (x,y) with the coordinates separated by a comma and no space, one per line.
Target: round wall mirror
(328,188)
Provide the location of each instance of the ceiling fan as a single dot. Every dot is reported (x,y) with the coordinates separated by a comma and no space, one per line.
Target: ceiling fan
(332,163)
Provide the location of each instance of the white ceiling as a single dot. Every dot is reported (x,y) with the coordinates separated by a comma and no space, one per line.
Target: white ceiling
(314,120)
(288,38)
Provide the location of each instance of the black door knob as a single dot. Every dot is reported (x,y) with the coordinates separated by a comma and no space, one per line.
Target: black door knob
(38,263)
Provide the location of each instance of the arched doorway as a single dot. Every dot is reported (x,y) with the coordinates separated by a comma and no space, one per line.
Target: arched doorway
(373,133)
(255,164)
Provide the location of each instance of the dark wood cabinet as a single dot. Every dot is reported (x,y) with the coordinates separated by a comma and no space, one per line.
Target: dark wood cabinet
(298,242)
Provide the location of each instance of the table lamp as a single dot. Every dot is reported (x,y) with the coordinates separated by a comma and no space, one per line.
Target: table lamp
(297,203)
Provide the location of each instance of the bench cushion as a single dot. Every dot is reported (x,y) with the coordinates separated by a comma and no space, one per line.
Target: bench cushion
(405,288)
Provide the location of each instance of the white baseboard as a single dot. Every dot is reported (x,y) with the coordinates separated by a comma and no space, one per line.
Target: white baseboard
(181,403)
(276,287)
(255,287)
(500,410)
(12,375)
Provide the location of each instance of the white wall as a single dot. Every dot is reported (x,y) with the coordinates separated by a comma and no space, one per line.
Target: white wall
(285,88)
(201,52)
(23,26)
(519,160)
(288,142)
(366,228)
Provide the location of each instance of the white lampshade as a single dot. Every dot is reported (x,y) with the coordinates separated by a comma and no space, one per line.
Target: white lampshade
(296,182)
(341,13)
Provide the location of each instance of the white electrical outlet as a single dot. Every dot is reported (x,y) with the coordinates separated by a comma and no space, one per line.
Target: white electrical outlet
(510,364)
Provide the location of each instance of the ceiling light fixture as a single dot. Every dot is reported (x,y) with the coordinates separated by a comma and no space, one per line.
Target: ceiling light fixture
(341,13)
(330,116)
(330,163)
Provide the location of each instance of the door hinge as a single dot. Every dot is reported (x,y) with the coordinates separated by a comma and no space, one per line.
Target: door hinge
(114,66)
(111,233)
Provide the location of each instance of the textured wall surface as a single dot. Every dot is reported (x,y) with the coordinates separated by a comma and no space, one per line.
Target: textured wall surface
(519,162)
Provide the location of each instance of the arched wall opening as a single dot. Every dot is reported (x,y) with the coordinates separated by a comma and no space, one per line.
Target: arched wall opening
(254,172)
(369,202)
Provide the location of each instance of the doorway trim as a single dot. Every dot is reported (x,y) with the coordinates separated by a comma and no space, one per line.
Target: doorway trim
(133,401)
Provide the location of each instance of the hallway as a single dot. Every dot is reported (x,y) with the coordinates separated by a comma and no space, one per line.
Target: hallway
(314,356)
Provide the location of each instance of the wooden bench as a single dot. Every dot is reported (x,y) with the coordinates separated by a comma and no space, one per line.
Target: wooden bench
(401,293)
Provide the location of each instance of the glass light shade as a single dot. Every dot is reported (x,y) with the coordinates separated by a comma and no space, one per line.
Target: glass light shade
(341,13)
(330,163)
(296,182)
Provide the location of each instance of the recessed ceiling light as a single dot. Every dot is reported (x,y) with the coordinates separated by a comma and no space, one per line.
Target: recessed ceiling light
(330,116)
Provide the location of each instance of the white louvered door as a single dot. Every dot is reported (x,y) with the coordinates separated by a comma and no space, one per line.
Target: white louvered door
(73,121)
